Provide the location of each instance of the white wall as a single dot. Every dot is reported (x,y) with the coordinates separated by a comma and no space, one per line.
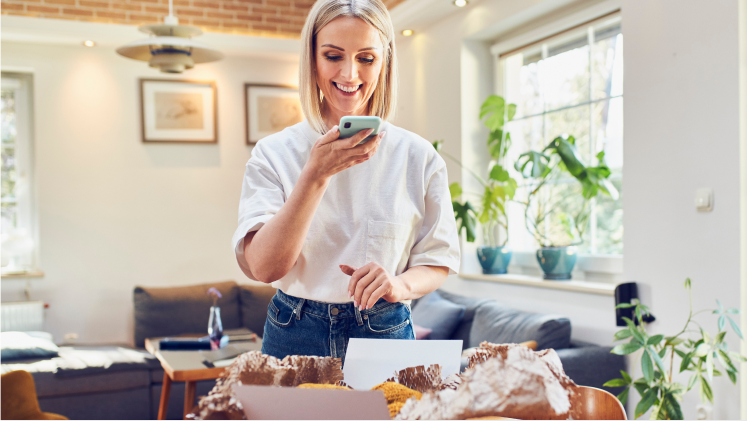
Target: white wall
(114,212)
(681,133)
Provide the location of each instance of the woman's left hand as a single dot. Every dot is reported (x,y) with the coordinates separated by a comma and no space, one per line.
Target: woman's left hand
(371,282)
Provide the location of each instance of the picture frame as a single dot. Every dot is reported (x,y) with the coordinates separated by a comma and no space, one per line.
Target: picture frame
(178,111)
(269,108)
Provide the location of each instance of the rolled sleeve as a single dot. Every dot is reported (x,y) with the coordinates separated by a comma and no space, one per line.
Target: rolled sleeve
(437,243)
(262,196)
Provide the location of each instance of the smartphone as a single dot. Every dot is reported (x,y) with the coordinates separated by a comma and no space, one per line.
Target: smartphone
(352,124)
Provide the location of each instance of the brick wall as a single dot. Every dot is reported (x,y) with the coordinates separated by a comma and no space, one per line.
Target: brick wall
(274,18)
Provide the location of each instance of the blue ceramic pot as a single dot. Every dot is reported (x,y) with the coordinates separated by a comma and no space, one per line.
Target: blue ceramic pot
(557,262)
(494,260)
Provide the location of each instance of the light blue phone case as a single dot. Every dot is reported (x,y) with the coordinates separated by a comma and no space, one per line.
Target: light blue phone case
(352,124)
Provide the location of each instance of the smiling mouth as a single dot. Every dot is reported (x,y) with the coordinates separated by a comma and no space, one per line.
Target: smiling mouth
(347,89)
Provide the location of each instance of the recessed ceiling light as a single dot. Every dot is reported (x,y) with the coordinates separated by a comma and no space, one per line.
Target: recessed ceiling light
(407,32)
(89,43)
(460,3)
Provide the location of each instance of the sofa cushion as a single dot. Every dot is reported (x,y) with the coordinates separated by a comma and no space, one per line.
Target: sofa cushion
(500,324)
(254,299)
(88,369)
(471,304)
(438,314)
(19,345)
(177,310)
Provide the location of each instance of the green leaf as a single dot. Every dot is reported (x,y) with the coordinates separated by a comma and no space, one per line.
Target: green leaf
(647,366)
(625,349)
(721,322)
(693,379)
(616,383)
(671,340)
(654,340)
(455,190)
(719,338)
(672,407)
(663,352)
(657,360)
(709,365)
(719,304)
(622,334)
(732,311)
(732,376)
(688,283)
(738,357)
(641,386)
(646,401)
(496,113)
(465,217)
(686,362)
(438,144)
(736,328)
(705,390)
(535,165)
(701,350)
(624,305)
(680,353)
(724,359)
(626,376)
(498,173)
(623,396)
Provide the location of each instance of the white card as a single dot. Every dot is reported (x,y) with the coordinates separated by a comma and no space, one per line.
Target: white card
(369,362)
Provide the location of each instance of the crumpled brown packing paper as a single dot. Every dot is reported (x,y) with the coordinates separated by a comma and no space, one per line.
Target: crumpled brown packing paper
(254,368)
(503,380)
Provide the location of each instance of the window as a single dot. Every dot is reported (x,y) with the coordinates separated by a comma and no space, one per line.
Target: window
(18,226)
(570,83)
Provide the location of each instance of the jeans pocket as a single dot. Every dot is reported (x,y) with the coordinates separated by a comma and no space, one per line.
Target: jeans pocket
(280,313)
(389,320)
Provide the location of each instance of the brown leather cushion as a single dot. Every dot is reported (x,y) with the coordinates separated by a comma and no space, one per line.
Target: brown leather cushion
(19,400)
(177,310)
(254,301)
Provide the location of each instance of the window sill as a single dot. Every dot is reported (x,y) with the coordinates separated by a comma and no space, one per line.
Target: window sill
(23,275)
(598,288)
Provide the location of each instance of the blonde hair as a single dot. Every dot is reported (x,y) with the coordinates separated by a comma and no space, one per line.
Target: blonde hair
(383,101)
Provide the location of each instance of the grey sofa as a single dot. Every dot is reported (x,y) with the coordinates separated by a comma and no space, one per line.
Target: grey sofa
(122,382)
(485,319)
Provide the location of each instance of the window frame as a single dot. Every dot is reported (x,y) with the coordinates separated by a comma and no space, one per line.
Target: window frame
(27,203)
(591,267)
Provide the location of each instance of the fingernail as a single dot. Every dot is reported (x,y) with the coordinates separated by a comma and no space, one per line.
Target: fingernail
(382,134)
(355,303)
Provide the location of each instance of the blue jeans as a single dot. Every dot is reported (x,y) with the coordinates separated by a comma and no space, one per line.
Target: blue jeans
(296,326)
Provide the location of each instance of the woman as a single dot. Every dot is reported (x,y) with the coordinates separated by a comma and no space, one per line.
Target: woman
(348,234)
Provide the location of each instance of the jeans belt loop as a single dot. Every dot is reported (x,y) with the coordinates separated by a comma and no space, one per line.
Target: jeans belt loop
(358,317)
(298,308)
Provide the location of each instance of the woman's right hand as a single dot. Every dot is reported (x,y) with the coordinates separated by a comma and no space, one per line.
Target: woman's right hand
(331,155)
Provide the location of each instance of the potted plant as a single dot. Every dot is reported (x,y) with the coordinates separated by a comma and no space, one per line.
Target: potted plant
(554,217)
(696,350)
(498,188)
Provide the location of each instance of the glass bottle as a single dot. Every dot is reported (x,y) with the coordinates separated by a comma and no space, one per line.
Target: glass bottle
(215,328)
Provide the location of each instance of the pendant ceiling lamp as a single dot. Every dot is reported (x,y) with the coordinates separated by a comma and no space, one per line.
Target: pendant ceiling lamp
(170,47)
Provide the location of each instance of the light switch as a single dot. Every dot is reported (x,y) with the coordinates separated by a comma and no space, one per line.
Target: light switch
(704,200)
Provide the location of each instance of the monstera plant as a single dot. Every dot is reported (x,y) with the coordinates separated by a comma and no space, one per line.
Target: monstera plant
(498,187)
(549,210)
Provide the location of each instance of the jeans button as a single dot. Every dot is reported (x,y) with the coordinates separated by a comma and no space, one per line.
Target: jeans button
(335,311)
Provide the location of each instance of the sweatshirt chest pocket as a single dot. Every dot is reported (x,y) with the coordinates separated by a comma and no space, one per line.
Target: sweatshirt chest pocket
(386,244)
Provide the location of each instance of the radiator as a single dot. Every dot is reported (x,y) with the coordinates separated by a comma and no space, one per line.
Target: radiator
(24,316)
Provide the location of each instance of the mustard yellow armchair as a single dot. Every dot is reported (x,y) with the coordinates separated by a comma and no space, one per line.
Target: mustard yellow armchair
(18,398)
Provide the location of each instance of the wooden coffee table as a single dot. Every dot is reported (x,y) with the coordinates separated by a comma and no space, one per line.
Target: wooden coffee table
(188,367)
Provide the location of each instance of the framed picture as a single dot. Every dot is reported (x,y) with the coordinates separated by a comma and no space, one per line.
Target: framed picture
(178,111)
(270,109)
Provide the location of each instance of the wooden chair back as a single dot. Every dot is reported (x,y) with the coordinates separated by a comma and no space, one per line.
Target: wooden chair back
(590,403)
